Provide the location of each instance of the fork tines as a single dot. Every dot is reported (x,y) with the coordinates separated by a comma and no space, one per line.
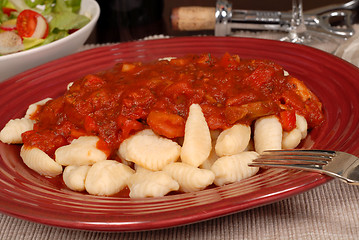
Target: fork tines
(294,158)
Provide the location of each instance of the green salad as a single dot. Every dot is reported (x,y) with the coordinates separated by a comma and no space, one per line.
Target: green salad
(26,24)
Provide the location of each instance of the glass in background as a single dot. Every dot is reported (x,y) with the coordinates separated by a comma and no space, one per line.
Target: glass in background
(298,32)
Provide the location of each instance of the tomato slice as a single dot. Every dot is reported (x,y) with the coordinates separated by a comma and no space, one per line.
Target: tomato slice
(8,11)
(31,24)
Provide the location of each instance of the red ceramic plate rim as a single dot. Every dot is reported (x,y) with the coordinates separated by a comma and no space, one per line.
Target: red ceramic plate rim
(24,194)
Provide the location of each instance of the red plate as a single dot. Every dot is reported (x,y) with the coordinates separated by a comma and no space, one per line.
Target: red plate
(25,194)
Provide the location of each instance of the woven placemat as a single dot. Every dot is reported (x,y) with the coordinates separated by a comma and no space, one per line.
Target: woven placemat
(327,212)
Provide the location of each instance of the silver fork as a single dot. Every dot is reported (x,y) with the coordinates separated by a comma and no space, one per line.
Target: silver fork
(341,165)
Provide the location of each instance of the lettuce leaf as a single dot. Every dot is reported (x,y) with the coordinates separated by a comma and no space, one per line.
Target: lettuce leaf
(67,6)
(2,4)
(3,16)
(34,3)
(74,4)
(67,21)
(55,35)
(31,42)
(64,16)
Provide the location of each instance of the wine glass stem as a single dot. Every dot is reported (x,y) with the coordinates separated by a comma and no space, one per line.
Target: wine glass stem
(297,22)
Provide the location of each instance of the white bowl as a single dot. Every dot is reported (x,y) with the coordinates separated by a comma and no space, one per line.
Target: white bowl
(15,63)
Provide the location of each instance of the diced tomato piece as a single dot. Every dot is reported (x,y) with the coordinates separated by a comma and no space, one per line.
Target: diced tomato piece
(261,75)
(93,81)
(90,125)
(205,59)
(235,113)
(229,62)
(166,124)
(179,88)
(141,98)
(288,120)
(250,111)
(128,126)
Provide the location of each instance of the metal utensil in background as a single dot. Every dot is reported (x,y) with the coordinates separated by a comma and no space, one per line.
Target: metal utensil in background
(225,21)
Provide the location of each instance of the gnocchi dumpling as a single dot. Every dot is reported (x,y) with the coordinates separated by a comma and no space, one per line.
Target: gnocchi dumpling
(140,169)
(144,184)
(190,178)
(292,139)
(230,169)
(301,125)
(107,177)
(12,131)
(122,150)
(233,140)
(207,164)
(81,151)
(149,150)
(74,177)
(197,143)
(69,85)
(33,107)
(40,162)
(267,134)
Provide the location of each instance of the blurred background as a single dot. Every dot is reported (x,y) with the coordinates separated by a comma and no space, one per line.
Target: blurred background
(127,20)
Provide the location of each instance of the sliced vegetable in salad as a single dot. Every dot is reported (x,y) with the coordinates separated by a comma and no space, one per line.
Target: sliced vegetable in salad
(34,23)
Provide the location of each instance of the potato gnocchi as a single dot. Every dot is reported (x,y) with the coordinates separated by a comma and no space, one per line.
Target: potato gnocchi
(33,107)
(74,177)
(267,134)
(197,137)
(144,184)
(150,151)
(107,177)
(229,169)
(81,151)
(233,140)
(12,131)
(40,162)
(190,178)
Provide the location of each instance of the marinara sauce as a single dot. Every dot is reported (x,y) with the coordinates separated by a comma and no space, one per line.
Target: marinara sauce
(116,103)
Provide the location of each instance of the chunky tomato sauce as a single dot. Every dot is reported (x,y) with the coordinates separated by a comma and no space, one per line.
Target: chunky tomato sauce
(132,96)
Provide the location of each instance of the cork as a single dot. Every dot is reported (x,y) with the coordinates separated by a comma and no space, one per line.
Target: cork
(193,18)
